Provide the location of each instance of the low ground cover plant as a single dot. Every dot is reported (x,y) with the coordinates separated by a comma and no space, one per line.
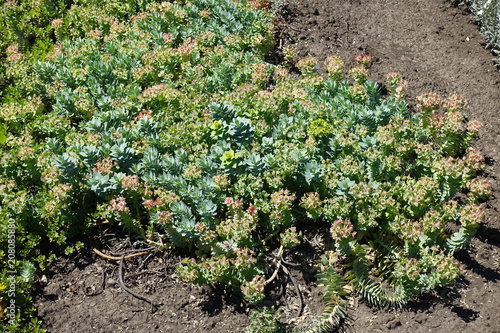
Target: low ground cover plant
(488,14)
(165,119)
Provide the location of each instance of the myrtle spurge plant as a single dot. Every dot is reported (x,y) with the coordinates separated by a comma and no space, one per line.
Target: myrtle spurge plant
(171,125)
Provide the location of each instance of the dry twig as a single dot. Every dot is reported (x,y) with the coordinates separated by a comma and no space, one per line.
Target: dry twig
(117,258)
(131,292)
(297,291)
(278,265)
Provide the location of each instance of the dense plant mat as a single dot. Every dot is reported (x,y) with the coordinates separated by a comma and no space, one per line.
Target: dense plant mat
(165,119)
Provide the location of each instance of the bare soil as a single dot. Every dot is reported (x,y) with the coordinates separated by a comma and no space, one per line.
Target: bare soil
(437,47)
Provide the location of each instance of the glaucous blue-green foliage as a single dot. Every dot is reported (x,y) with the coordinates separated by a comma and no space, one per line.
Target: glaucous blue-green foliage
(165,118)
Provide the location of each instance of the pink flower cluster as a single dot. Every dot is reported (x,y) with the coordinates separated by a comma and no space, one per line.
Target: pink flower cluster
(259,76)
(222,181)
(310,201)
(480,187)
(410,231)
(187,48)
(437,121)
(13,53)
(342,229)
(144,114)
(130,182)
(412,269)
(429,101)
(307,65)
(474,126)
(358,93)
(252,210)
(363,59)
(167,37)
(150,203)
(105,166)
(283,198)
(401,89)
(394,78)
(205,13)
(11,49)
(57,23)
(448,268)
(235,204)
(260,4)
(254,290)
(119,205)
(455,102)
(474,159)
(96,34)
(192,172)
(432,222)
(290,237)
(472,215)
(245,258)
(164,216)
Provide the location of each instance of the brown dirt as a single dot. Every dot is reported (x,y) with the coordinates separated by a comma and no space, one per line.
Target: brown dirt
(438,48)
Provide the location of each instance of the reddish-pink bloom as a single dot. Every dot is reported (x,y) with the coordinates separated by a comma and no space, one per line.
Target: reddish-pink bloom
(167,37)
(144,113)
(119,205)
(252,210)
(342,229)
(364,59)
(164,216)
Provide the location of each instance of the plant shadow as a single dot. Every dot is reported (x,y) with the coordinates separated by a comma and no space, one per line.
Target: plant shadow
(219,298)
